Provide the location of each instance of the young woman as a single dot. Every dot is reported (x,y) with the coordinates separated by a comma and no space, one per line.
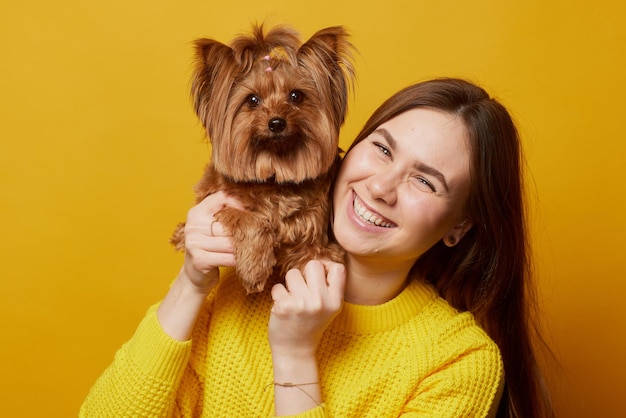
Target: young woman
(428,317)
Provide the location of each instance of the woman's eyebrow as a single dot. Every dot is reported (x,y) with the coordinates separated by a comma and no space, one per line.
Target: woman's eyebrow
(385,134)
(433,172)
(419,166)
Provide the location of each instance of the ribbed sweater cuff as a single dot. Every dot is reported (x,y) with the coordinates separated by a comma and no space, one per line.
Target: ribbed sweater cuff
(156,353)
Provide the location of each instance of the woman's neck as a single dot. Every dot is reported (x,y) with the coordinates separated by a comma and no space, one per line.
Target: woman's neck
(372,282)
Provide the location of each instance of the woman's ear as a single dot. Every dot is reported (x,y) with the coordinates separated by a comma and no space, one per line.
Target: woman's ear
(458,231)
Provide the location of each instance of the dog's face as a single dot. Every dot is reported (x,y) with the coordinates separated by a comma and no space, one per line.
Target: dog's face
(271,106)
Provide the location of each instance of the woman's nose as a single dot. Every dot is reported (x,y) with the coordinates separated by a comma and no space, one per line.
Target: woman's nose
(382,186)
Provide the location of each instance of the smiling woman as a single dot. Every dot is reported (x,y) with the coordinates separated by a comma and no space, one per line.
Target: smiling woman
(478,258)
(428,317)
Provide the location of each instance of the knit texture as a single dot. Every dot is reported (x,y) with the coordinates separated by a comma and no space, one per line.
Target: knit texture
(411,356)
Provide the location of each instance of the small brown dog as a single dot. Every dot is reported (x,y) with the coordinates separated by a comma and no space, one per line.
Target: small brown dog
(272,108)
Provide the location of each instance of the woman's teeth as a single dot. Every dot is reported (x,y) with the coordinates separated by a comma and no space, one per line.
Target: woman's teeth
(368,216)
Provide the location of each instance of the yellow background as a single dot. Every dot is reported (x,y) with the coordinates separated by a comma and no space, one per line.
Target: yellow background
(99,150)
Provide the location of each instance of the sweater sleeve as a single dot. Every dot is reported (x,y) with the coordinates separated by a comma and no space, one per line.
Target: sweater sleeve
(317,412)
(470,385)
(144,375)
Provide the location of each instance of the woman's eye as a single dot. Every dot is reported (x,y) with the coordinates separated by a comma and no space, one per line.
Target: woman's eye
(253,100)
(383,149)
(426,183)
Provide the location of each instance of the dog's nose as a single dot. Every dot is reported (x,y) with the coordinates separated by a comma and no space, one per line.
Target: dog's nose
(277,124)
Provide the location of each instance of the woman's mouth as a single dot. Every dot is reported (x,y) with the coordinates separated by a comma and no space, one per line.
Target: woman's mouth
(368,216)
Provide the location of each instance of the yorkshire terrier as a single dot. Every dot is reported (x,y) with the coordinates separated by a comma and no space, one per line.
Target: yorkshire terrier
(272,108)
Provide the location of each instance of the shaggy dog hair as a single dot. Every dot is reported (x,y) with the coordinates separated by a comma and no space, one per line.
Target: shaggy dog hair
(272,108)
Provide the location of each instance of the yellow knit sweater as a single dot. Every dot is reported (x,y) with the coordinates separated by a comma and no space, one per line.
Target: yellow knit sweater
(412,356)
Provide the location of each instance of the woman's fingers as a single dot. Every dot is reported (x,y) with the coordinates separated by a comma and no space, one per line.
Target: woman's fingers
(208,244)
(315,276)
(215,202)
(295,282)
(304,306)
(317,288)
(336,281)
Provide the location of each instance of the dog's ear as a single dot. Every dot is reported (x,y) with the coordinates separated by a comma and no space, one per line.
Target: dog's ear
(328,55)
(213,76)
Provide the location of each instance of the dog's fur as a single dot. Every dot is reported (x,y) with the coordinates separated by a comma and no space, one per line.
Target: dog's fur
(272,108)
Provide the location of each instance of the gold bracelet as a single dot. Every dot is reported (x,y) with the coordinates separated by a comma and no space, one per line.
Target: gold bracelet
(297,386)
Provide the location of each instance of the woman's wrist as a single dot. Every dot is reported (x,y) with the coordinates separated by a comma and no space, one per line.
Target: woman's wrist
(289,365)
(296,384)
(196,281)
(180,308)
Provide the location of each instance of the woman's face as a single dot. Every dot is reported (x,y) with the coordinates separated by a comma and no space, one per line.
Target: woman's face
(403,188)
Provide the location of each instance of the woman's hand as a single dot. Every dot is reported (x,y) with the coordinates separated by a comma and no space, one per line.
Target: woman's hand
(305,306)
(208,246)
(303,309)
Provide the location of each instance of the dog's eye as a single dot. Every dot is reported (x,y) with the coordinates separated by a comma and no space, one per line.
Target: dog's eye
(253,100)
(296,96)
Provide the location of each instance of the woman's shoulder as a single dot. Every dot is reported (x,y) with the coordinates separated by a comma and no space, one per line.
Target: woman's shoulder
(458,363)
(446,327)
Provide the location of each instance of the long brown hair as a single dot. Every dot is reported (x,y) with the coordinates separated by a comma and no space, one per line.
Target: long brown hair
(489,272)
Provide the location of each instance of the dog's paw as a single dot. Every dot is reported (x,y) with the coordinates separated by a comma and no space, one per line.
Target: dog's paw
(254,267)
